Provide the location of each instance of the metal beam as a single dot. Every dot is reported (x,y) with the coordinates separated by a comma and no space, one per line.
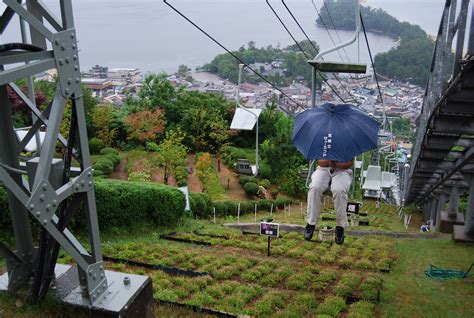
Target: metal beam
(454,124)
(440,165)
(433,154)
(24,71)
(23,57)
(458,165)
(449,141)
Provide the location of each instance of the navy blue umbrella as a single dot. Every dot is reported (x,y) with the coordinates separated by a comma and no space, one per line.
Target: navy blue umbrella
(334,132)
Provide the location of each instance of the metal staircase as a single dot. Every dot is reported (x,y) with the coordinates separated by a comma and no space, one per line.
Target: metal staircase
(443,157)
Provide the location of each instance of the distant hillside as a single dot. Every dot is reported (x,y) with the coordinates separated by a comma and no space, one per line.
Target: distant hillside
(410,61)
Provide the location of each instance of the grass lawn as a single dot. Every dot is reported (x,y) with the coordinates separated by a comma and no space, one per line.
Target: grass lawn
(409,293)
(301,279)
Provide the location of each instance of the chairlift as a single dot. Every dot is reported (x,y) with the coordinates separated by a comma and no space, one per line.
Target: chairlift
(246,119)
(334,67)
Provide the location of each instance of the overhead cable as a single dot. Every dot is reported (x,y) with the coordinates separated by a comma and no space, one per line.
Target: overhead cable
(327,30)
(233,54)
(304,53)
(334,27)
(372,61)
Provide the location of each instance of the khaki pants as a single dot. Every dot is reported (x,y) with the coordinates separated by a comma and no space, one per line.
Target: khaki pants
(340,184)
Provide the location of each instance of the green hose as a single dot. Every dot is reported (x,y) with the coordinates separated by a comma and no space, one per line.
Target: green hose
(440,273)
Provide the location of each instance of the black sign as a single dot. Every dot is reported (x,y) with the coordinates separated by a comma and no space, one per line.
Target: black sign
(270,229)
(353,207)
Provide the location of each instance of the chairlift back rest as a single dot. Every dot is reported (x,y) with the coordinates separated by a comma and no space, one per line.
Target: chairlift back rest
(338,67)
(373,181)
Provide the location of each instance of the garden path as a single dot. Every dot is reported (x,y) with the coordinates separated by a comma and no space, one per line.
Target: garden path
(194,183)
(120,173)
(230,180)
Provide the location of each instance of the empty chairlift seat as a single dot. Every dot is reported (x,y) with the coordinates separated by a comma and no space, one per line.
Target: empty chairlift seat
(386,180)
(244,167)
(31,146)
(373,182)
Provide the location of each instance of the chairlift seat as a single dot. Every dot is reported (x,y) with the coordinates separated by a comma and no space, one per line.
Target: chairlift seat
(393,177)
(386,180)
(244,167)
(373,180)
(338,67)
(31,146)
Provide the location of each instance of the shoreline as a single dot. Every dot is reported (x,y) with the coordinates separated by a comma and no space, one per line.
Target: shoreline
(395,38)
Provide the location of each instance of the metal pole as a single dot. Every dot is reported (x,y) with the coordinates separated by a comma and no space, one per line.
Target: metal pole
(453,202)
(268,246)
(434,210)
(313,86)
(31,88)
(439,208)
(469,225)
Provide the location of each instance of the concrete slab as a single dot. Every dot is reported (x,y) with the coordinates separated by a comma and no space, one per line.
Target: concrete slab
(447,222)
(131,299)
(460,237)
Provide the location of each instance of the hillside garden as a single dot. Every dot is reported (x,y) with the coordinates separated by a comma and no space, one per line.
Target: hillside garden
(165,138)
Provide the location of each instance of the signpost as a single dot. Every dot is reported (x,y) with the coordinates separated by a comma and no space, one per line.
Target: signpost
(353,207)
(269,230)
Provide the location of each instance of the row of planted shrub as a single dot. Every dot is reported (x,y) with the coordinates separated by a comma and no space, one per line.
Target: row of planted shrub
(107,161)
(122,203)
(202,207)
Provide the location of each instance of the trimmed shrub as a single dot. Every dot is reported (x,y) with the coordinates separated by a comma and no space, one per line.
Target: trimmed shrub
(98,173)
(265,183)
(251,188)
(221,208)
(122,203)
(109,151)
(264,205)
(115,158)
(264,171)
(244,179)
(281,202)
(201,205)
(95,145)
(104,164)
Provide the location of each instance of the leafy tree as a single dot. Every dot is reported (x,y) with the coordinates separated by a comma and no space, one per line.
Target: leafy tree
(145,126)
(226,66)
(401,127)
(20,111)
(157,92)
(410,61)
(183,70)
(171,155)
(103,120)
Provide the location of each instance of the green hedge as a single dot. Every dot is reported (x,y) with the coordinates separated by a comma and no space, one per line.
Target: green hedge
(122,203)
(202,207)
